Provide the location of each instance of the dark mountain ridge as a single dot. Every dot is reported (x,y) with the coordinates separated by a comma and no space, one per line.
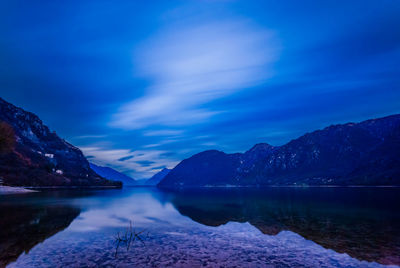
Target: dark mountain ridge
(366,153)
(113,175)
(36,156)
(156,178)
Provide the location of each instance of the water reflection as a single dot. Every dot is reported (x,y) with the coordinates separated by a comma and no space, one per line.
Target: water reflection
(24,225)
(364,223)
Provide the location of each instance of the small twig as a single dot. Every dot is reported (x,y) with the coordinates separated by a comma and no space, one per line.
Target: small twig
(128,237)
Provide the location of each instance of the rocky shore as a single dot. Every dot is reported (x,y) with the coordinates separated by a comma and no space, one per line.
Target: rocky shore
(14,190)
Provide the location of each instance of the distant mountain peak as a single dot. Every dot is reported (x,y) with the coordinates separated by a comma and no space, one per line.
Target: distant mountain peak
(156,178)
(112,174)
(262,147)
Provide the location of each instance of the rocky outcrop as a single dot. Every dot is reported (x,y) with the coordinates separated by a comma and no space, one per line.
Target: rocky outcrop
(39,157)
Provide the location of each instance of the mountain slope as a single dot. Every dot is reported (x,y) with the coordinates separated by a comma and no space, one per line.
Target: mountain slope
(203,169)
(367,153)
(113,175)
(157,177)
(32,155)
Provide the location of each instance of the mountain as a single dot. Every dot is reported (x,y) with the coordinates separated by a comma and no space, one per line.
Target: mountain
(113,175)
(157,177)
(366,153)
(32,155)
(206,168)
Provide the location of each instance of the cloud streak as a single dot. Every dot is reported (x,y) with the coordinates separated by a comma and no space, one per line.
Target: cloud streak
(140,164)
(191,66)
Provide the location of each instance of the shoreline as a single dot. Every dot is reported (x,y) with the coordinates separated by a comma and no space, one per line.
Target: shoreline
(72,187)
(5,190)
(279,186)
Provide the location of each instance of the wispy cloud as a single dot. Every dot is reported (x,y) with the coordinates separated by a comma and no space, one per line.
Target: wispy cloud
(145,163)
(160,143)
(152,145)
(193,65)
(90,137)
(125,158)
(139,164)
(163,132)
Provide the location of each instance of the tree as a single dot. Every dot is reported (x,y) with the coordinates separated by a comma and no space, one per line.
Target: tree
(7,138)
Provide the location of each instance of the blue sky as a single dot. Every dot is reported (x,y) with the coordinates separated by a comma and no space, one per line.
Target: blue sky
(141,85)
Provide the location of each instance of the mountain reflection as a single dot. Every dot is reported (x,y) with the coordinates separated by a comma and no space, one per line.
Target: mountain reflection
(363,223)
(24,225)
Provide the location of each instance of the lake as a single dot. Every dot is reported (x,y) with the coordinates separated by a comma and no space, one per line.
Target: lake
(271,227)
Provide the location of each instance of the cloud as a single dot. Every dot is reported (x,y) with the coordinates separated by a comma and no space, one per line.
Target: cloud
(139,164)
(209,144)
(168,154)
(90,137)
(164,132)
(145,163)
(152,145)
(191,66)
(125,158)
(158,168)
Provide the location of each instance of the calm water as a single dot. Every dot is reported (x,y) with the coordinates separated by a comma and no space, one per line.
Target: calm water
(274,227)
